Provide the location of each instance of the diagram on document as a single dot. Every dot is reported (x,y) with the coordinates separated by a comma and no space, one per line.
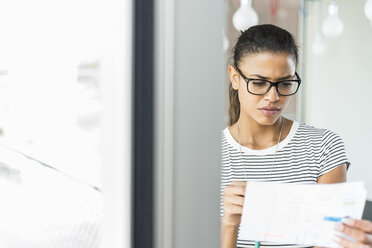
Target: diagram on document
(299,214)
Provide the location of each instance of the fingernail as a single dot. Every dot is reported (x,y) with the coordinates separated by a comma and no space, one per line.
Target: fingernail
(339,227)
(348,221)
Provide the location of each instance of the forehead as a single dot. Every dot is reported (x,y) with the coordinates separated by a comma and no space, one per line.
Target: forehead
(271,65)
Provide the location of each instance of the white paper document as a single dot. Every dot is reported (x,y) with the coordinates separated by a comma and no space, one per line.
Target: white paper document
(299,213)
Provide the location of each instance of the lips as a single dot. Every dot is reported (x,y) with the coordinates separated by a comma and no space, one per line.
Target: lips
(269,110)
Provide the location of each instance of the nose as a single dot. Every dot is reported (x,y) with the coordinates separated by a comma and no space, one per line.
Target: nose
(272,95)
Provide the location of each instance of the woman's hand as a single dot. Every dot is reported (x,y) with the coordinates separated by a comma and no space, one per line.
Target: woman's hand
(360,230)
(233,199)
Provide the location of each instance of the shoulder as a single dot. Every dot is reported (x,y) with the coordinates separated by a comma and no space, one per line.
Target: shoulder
(323,136)
(225,132)
(312,131)
(226,137)
(309,129)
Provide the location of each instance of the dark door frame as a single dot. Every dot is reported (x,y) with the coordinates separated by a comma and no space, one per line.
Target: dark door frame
(143,125)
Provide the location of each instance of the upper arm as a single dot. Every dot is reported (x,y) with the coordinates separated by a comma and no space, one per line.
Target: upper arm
(333,161)
(337,175)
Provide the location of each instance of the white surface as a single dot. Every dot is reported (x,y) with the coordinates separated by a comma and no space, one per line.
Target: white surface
(295,213)
(43,208)
(43,43)
(116,123)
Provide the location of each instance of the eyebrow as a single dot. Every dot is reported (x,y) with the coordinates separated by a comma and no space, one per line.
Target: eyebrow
(266,78)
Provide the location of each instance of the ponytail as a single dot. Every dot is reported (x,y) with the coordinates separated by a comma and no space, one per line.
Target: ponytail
(234,110)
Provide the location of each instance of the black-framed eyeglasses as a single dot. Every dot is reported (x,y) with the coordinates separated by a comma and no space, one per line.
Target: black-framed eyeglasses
(262,86)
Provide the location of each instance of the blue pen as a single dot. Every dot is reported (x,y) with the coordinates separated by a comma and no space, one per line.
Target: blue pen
(334,219)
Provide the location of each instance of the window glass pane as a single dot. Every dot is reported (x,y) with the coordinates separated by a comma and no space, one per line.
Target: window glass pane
(50,115)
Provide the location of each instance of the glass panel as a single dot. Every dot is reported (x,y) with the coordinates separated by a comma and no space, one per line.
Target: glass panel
(50,114)
(41,207)
(333,64)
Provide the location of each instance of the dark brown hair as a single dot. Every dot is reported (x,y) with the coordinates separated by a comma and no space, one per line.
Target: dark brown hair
(258,39)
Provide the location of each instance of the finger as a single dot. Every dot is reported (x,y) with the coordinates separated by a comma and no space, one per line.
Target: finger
(349,244)
(357,234)
(233,209)
(234,190)
(233,200)
(240,183)
(364,225)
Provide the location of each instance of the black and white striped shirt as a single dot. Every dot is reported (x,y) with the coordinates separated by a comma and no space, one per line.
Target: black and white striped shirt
(302,157)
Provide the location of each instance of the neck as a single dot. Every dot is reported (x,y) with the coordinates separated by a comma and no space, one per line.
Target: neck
(257,136)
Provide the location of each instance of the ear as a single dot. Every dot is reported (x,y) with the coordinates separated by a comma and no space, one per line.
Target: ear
(234,77)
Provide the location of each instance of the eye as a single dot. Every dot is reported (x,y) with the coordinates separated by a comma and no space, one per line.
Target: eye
(287,83)
(258,83)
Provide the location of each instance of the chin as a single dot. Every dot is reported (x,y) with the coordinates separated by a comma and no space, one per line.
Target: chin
(268,121)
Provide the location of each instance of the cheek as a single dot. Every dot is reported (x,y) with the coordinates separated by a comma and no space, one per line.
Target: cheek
(247,100)
(285,101)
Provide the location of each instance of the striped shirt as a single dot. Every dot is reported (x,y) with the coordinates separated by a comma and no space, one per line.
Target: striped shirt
(302,157)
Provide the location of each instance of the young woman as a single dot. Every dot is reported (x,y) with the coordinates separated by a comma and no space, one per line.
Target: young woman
(260,144)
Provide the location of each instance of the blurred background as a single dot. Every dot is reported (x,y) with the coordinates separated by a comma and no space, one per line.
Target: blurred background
(65,111)
(111,111)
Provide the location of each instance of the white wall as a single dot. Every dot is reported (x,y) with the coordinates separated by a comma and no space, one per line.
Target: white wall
(338,84)
(189,103)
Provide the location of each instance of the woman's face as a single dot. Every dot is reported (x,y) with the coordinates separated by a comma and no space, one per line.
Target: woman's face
(264,109)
